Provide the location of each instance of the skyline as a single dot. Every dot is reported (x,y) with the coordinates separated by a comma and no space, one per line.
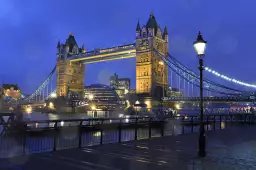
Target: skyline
(32,39)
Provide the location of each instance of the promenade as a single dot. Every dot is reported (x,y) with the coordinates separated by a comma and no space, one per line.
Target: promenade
(229,149)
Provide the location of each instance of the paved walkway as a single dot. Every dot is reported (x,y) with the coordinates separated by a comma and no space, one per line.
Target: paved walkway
(230,149)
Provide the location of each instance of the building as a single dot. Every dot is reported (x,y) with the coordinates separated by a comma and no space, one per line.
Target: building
(11,91)
(174,92)
(101,97)
(120,85)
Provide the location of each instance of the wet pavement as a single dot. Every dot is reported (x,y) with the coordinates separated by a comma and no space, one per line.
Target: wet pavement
(229,149)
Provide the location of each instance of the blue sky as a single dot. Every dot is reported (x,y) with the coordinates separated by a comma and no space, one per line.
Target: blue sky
(30,30)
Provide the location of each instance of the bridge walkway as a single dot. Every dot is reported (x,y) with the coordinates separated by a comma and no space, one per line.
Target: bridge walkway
(226,149)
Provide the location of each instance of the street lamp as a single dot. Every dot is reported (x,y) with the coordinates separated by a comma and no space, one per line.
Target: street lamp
(162,64)
(200,45)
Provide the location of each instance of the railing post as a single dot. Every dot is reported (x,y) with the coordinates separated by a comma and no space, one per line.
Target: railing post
(120,131)
(101,132)
(136,129)
(192,124)
(149,128)
(250,119)
(162,127)
(220,122)
(226,122)
(182,124)
(245,116)
(80,134)
(214,122)
(55,136)
(24,139)
(207,121)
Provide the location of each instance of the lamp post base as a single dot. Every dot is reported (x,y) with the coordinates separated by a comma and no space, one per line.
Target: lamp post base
(201,152)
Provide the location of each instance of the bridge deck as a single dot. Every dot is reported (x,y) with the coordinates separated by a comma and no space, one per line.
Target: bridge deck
(121,52)
(177,152)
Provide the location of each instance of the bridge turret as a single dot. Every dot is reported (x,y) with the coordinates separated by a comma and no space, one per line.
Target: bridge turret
(165,34)
(83,50)
(66,51)
(152,25)
(138,30)
(59,49)
(71,47)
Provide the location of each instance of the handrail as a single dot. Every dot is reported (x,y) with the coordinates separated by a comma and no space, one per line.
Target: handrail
(130,118)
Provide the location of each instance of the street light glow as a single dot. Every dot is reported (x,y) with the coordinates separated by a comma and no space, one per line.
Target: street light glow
(93,107)
(161,63)
(91,96)
(29,109)
(200,45)
(53,95)
(177,106)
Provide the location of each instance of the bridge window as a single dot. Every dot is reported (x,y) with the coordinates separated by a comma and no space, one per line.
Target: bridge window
(61,70)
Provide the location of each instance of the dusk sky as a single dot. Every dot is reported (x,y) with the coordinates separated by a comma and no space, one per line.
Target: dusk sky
(30,30)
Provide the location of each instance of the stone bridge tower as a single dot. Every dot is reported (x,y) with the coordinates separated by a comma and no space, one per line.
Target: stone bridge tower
(70,75)
(151,71)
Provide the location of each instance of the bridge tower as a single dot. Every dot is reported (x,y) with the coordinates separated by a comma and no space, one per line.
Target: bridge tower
(70,75)
(151,71)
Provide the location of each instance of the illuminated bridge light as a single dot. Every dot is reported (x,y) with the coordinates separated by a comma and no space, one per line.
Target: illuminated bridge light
(228,78)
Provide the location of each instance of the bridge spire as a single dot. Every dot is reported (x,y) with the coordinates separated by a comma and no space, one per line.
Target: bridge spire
(165,34)
(152,23)
(165,30)
(83,49)
(138,26)
(58,45)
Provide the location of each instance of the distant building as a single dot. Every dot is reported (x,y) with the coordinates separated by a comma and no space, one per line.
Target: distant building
(101,96)
(11,91)
(174,92)
(120,85)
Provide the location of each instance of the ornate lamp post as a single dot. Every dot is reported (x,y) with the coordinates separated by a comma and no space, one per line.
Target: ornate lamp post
(162,64)
(200,45)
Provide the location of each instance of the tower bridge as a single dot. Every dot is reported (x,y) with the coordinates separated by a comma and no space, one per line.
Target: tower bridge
(150,75)
(156,69)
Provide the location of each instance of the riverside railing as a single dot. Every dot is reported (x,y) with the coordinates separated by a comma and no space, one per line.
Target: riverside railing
(51,135)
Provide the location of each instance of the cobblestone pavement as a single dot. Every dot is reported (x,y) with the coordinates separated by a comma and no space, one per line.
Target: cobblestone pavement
(230,149)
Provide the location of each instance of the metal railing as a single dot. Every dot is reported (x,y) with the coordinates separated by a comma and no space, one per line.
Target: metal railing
(52,135)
